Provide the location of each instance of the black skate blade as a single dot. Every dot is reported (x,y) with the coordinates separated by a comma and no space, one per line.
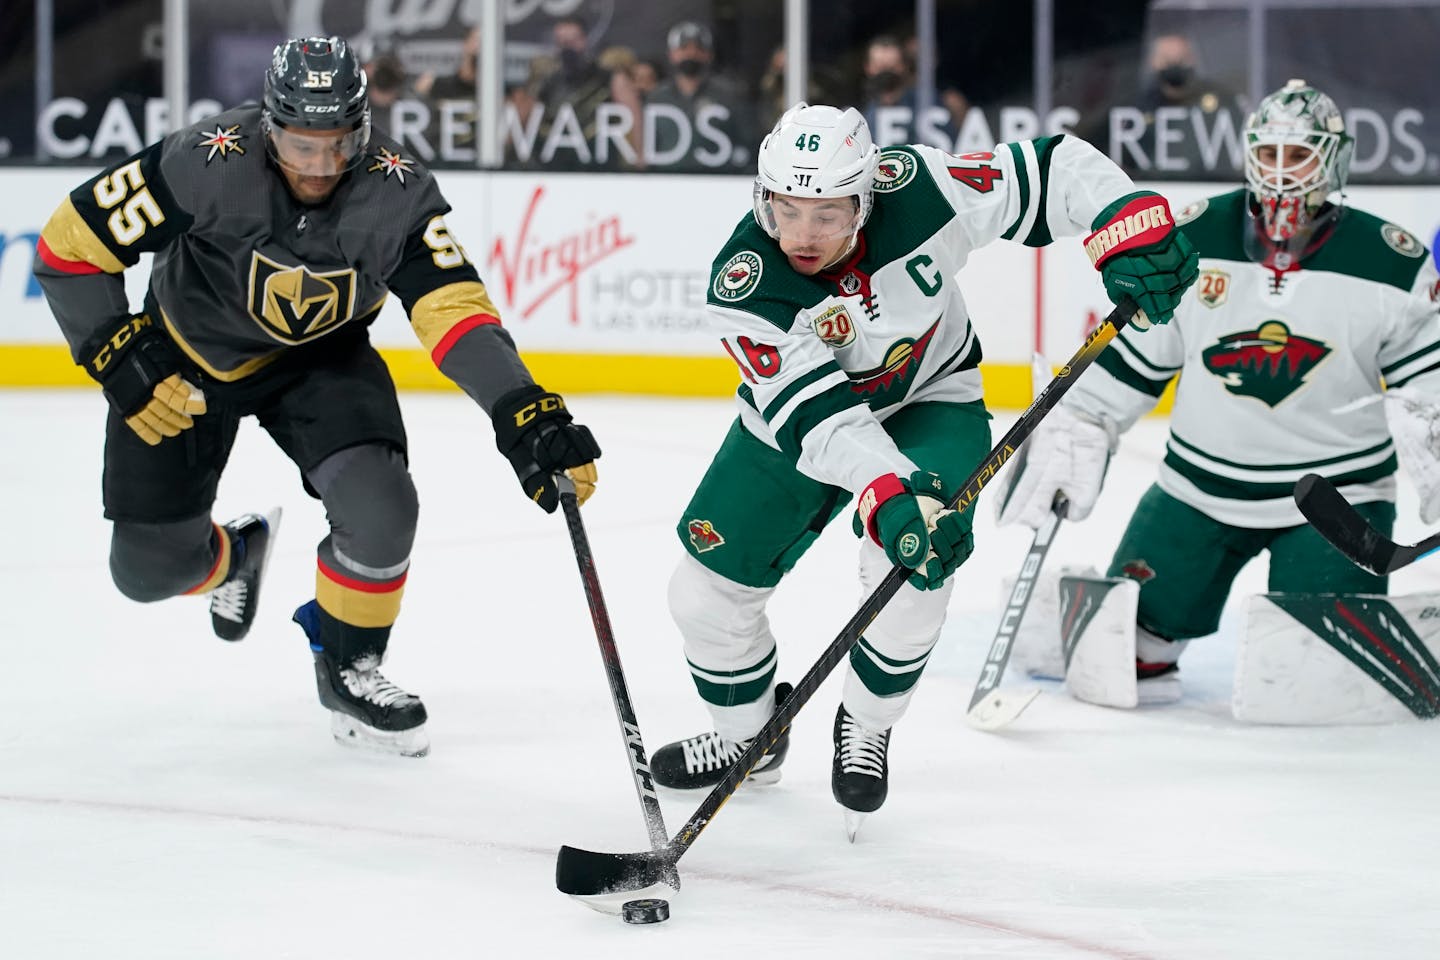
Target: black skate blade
(586,873)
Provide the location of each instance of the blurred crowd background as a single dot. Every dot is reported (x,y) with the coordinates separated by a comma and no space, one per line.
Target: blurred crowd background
(690,86)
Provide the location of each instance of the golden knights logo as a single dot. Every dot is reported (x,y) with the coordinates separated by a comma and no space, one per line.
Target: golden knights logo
(391,164)
(221,143)
(704,536)
(1268,364)
(296,304)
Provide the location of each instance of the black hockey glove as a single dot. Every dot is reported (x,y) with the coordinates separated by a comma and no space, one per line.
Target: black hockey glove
(138,369)
(536,434)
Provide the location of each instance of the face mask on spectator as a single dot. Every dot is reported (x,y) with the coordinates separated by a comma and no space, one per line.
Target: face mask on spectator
(571,61)
(886,81)
(1177,75)
(690,67)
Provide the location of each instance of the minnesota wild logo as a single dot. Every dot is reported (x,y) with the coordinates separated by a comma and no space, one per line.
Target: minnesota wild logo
(896,168)
(1269,363)
(703,535)
(893,376)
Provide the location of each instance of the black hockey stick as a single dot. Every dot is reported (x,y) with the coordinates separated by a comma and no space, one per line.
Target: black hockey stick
(989,709)
(619,691)
(1337,521)
(591,874)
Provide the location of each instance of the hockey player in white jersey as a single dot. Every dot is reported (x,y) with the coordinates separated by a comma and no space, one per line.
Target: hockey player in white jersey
(836,298)
(1303,305)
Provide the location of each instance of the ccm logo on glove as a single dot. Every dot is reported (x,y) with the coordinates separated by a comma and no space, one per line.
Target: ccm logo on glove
(117,342)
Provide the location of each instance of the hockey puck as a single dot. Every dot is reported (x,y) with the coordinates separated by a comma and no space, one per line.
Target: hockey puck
(645,911)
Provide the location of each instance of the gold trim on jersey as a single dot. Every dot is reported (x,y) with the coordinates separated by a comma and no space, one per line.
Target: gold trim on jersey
(439,310)
(225,376)
(69,237)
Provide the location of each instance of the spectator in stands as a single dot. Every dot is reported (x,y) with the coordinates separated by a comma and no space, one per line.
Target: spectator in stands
(712,129)
(572,95)
(1175,79)
(889,93)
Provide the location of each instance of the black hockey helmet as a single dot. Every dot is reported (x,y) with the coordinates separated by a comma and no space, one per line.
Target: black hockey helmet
(316,83)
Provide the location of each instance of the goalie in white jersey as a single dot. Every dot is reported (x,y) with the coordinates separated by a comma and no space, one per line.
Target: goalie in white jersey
(1303,306)
(836,298)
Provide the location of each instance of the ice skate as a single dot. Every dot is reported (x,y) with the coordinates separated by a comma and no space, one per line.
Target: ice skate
(702,761)
(366,709)
(234,602)
(860,771)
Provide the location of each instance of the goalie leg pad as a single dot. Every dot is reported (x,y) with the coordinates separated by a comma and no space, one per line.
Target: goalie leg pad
(1097,632)
(1324,659)
(1036,647)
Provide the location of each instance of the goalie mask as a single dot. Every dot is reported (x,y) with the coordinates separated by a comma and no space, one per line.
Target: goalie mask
(1297,154)
(316,116)
(816,153)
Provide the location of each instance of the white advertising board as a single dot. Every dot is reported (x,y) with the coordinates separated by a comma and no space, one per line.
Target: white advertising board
(618,264)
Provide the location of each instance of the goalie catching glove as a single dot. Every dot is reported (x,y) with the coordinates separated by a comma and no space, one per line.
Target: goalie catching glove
(1415,424)
(538,436)
(1141,255)
(138,368)
(909,520)
(1067,453)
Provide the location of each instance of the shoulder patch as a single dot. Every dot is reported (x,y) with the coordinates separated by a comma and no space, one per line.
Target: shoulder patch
(739,277)
(1191,212)
(896,168)
(221,142)
(388,163)
(1402,241)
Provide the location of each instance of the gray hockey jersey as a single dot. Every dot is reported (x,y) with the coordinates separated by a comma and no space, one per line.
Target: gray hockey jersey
(1272,361)
(243,272)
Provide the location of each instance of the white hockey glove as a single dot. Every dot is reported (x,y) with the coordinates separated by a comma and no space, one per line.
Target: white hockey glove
(1415,424)
(1067,453)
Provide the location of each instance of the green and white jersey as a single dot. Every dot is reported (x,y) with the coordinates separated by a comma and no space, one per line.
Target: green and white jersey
(1271,362)
(825,359)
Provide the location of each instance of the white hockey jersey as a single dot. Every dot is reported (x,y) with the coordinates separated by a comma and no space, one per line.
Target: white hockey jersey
(825,358)
(1271,362)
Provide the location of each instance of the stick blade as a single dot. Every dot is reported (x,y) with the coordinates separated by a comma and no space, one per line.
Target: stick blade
(1000,708)
(594,878)
(1337,521)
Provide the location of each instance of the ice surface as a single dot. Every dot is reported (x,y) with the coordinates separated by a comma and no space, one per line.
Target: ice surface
(166,795)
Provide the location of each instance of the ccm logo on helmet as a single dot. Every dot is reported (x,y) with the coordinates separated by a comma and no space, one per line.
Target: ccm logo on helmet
(322,108)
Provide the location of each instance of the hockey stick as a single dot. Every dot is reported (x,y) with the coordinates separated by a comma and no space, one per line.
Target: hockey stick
(989,708)
(590,873)
(1341,524)
(619,691)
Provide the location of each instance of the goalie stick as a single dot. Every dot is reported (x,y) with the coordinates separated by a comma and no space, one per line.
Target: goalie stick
(619,690)
(592,873)
(989,708)
(1341,524)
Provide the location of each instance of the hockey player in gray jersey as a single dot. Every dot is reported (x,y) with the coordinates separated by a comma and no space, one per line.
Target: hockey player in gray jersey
(836,298)
(277,232)
(1302,307)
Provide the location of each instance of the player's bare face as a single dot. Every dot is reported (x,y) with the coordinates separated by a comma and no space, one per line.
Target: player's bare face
(815,232)
(312,161)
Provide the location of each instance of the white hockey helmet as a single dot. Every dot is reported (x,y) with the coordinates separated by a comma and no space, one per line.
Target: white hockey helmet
(1297,153)
(816,152)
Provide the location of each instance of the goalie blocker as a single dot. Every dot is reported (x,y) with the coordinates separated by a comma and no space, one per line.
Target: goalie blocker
(1302,659)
